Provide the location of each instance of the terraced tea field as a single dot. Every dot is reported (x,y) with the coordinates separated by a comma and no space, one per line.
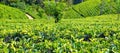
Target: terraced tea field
(100,34)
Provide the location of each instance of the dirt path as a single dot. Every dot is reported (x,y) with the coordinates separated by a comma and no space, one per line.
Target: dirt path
(30,17)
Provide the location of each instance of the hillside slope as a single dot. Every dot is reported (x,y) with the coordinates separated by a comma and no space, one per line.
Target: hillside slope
(91,8)
(7,12)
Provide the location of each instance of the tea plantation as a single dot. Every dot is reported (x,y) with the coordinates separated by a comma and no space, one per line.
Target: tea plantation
(59,26)
(85,35)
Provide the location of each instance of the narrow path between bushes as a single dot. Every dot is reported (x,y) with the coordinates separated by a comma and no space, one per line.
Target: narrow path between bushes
(29,16)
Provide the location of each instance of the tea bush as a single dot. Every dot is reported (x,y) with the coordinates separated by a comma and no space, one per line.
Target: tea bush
(69,36)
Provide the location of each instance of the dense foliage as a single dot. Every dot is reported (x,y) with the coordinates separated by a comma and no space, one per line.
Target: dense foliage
(100,34)
(41,8)
(36,8)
